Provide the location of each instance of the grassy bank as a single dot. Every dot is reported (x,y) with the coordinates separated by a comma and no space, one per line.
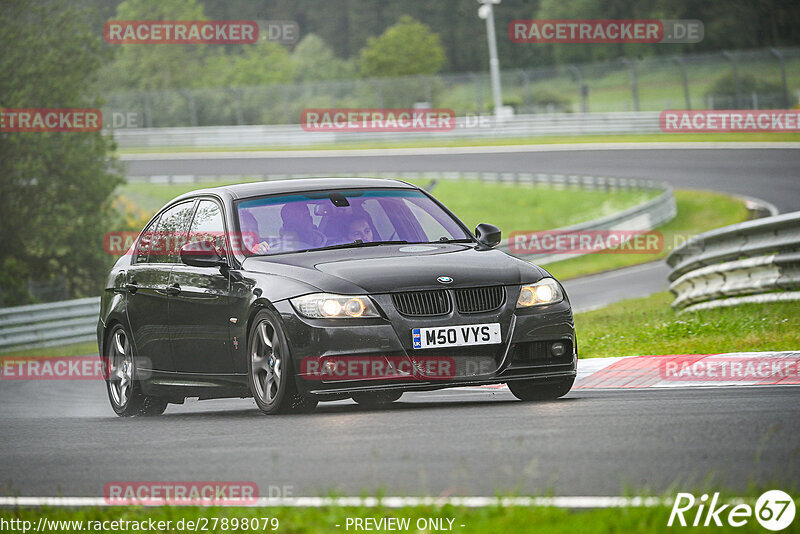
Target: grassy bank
(649,326)
(697,212)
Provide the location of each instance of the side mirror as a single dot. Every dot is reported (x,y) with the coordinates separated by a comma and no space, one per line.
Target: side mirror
(488,235)
(201,254)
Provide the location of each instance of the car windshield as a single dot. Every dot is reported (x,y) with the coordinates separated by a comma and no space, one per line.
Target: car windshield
(317,220)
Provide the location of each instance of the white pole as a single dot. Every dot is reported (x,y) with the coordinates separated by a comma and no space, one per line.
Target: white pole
(486,11)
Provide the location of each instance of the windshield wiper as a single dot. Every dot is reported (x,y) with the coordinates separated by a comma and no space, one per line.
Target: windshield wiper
(448,240)
(358,244)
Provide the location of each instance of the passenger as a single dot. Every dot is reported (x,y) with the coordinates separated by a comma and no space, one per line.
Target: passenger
(298,226)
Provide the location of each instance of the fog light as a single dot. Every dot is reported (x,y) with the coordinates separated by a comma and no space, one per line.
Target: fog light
(558,349)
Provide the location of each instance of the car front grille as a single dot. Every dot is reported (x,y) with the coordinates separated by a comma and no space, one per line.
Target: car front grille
(422,303)
(479,299)
(438,302)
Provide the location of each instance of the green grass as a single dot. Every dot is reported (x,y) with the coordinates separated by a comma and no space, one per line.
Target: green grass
(539,140)
(649,326)
(509,207)
(697,212)
(324,519)
(76,349)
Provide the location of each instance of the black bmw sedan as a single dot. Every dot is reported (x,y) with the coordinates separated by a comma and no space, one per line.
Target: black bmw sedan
(300,291)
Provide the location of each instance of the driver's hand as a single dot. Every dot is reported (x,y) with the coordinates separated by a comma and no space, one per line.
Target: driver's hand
(261,248)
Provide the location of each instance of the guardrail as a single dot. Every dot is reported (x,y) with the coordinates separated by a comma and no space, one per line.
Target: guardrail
(292,135)
(44,325)
(75,321)
(750,262)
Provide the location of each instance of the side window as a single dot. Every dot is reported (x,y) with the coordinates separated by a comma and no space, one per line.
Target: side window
(170,233)
(433,229)
(143,246)
(207,224)
(380,219)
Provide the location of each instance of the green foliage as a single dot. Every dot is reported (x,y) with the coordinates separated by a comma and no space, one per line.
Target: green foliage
(407,48)
(650,326)
(725,86)
(54,187)
(264,63)
(157,66)
(314,60)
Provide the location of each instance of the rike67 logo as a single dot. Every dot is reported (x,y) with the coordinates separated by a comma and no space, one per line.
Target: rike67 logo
(774,510)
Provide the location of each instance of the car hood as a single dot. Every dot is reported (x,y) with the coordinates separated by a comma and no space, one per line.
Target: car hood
(389,268)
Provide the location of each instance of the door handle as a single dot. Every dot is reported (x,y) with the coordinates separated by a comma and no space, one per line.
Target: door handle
(131,287)
(174,289)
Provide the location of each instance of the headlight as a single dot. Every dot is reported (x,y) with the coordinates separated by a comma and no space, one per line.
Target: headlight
(327,306)
(545,291)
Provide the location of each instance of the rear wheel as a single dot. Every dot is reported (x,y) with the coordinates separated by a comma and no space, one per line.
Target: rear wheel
(124,390)
(532,390)
(376,398)
(271,379)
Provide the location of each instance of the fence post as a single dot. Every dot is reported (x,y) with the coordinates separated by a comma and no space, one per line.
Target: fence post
(527,85)
(192,109)
(582,89)
(237,96)
(148,111)
(286,115)
(685,78)
(730,57)
(777,53)
(478,93)
(428,94)
(634,84)
(378,93)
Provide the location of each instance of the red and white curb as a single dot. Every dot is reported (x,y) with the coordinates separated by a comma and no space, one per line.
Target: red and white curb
(687,370)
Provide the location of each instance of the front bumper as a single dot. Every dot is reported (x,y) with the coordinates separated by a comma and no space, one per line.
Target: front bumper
(524,354)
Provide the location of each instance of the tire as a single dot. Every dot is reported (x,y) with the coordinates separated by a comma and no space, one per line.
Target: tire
(124,390)
(531,390)
(376,398)
(270,373)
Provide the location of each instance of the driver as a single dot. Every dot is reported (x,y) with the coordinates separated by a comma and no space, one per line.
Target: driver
(249,227)
(360,228)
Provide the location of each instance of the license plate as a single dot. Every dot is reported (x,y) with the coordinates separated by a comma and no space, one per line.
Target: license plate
(456,336)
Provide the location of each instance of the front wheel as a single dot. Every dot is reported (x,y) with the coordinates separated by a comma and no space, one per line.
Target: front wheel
(124,390)
(271,380)
(532,390)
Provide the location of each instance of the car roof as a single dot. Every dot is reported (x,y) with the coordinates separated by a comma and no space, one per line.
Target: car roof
(255,189)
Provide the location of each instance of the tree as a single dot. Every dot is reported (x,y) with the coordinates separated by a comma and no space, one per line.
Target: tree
(407,48)
(157,66)
(55,188)
(263,63)
(314,60)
